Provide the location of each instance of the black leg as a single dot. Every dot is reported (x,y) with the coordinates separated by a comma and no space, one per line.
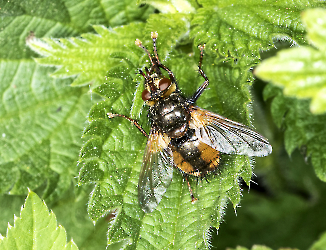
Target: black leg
(143,74)
(110,115)
(193,199)
(201,89)
(169,72)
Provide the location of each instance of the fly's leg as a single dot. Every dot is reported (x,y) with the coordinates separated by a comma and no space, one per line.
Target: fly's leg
(193,199)
(169,72)
(201,89)
(110,115)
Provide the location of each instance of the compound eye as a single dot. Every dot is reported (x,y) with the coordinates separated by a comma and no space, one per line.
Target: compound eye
(146,95)
(164,84)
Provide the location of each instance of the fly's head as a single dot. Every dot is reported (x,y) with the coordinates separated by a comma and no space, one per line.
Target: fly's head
(157,85)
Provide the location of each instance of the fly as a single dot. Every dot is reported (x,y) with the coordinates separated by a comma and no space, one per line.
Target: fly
(183,135)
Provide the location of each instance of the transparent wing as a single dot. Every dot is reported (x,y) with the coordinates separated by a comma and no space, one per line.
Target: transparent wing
(156,172)
(228,136)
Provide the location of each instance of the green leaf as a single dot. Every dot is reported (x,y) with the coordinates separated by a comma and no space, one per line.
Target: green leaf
(125,11)
(302,128)
(241,29)
(89,57)
(173,7)
(320,244)
(283,192)
(70,212)
(315,22)
(41,118)
(23,19)
(40,127)
(36,228)
(301,71)
(173,26)
(255,247)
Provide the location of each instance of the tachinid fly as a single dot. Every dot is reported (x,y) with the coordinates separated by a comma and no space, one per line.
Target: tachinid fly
(183,135)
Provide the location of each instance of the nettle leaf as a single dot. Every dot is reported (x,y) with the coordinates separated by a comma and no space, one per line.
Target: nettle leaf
(315,22)
(241,29)
(36,228)
(320,243)
(88,57)
(112,156)
(124,12)
(173,26)
(255,247)
(302,128)
(63,18)
(20,18)
(301,71)
(173,7)
(71,213)
(41,124)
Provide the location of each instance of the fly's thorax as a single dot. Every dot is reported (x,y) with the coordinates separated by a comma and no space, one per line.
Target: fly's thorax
(171,115)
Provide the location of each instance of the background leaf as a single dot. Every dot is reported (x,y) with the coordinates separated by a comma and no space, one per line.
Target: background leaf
(320,244)
(36,228)
(301,71)
(285,209)
(40,115)
(180,6)
(315,22)
(42,118)
(90,64)
(302,129)
(241,29)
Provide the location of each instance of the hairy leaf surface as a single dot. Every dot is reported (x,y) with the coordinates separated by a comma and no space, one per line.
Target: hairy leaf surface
(240,29)
(302,128)
(36,228)
(40,121)
(301,71)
